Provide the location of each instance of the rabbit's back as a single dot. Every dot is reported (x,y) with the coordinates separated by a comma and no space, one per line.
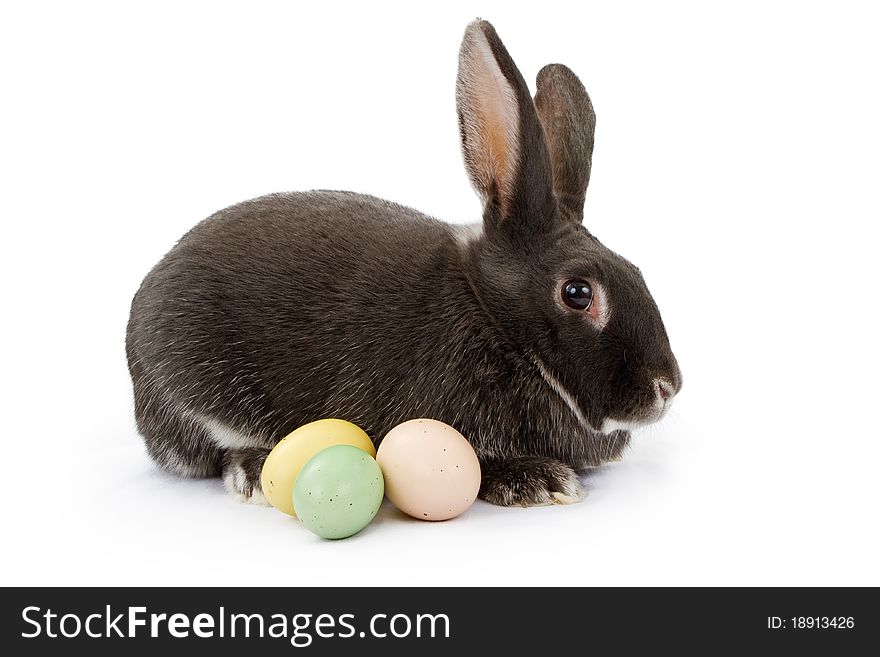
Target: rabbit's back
(294,306)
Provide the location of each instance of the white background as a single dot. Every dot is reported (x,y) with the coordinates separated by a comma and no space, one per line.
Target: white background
(736,163)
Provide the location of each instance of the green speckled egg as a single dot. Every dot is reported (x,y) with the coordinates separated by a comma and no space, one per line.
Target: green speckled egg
(338,492)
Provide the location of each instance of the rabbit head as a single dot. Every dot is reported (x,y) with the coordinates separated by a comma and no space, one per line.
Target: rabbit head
(581,312)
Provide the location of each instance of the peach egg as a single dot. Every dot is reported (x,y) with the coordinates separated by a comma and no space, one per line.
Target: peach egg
(431,471)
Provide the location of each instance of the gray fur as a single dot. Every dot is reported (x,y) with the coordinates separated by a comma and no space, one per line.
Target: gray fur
(294,307)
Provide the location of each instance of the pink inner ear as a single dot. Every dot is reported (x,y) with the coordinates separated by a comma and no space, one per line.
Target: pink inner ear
(491,121)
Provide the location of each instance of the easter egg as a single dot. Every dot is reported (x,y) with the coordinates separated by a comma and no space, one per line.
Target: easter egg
(431,471)
(295,450)
(338,492)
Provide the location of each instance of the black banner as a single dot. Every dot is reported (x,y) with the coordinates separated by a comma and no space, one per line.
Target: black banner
(435,621)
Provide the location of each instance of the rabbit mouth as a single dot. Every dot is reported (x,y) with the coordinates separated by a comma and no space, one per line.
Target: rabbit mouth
(653,413)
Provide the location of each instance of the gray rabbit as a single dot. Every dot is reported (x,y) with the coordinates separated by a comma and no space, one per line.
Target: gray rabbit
(539,344)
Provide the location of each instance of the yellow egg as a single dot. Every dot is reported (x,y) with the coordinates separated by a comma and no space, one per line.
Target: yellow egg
(287,458)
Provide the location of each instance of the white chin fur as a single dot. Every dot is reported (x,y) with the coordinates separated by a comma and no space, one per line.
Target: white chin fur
(610,424)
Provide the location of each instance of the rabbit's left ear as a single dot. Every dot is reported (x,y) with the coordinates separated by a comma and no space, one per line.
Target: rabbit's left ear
(502,139)
(569,124)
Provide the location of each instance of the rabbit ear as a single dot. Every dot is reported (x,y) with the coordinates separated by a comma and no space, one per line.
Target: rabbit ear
(569,124)
(501,137)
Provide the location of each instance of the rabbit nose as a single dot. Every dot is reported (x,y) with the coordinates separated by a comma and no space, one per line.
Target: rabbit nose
(665,390)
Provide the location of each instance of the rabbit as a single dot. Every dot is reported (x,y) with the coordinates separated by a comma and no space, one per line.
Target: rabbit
(525,333)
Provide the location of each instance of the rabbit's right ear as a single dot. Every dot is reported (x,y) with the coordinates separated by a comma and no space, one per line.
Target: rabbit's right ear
(502,139)
(569,124)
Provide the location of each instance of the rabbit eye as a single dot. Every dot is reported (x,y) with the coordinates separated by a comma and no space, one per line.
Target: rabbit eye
(577,294)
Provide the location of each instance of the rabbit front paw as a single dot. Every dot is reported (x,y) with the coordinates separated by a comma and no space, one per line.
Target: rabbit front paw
(529,481)
(241,474)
